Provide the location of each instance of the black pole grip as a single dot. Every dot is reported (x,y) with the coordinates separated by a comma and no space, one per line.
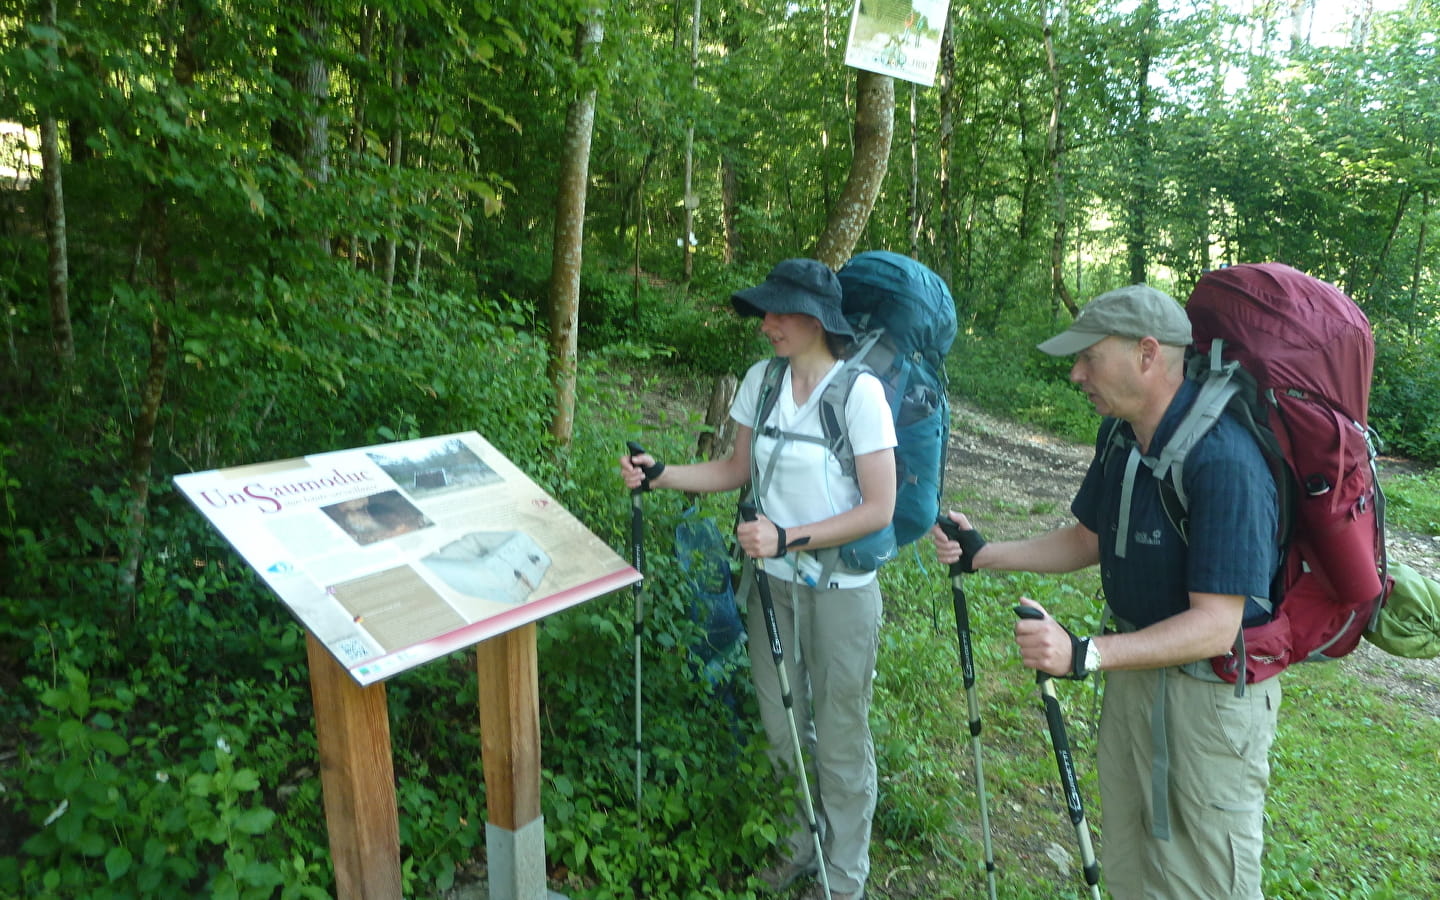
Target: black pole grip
(1064,760)
(651,471)
(748,512)
(1030,612)
(1059,740)
(952,531)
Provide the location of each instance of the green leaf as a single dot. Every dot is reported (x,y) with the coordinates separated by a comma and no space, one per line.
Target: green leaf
(110,742)
(56,699)
(255,821)
(261,874)
(118,862)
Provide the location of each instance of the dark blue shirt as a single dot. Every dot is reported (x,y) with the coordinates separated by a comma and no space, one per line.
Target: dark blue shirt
(1233,513)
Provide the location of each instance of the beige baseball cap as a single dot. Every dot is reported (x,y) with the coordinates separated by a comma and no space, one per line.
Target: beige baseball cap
(1135,311)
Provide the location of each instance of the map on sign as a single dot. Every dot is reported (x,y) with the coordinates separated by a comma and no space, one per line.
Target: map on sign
(397,554)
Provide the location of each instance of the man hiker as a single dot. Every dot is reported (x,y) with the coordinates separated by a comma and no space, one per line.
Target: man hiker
(1182,759)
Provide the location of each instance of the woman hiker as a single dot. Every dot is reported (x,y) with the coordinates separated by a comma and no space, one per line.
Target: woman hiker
(830,629)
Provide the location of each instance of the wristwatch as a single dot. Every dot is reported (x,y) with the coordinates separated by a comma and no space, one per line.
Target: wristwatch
(1092,657)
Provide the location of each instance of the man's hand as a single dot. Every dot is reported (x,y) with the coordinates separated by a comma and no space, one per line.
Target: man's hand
(956,541)
(1046,645)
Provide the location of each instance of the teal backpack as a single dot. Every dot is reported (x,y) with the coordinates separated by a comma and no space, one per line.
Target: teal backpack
(904,321)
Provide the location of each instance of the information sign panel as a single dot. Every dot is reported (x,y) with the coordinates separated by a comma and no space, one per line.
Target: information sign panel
(397,554)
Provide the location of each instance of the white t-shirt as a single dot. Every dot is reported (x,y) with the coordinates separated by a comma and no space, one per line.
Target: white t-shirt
(807,484)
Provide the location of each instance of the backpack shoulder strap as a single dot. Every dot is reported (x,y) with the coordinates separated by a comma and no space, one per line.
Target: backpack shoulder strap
(832,419)
(1216,390)
(1113,440)
(1217,387)
(837,395)
(770,389)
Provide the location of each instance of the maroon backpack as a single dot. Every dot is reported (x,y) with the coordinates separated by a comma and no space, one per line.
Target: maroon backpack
(1291,357)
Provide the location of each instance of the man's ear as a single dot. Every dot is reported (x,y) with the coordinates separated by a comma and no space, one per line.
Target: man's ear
(1149,352)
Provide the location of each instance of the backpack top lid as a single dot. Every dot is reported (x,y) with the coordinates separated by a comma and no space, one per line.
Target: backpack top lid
(886,290)
(1290,330)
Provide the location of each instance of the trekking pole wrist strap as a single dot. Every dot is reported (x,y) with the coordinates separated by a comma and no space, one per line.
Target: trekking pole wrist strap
(971,543)
(782,543)
(1079,656)
(650,472)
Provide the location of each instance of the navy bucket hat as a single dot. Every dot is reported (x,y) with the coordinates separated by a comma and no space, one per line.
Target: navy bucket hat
(804,286)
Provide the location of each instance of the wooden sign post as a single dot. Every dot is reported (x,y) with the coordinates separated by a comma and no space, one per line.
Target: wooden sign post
(357,775)
(510,754)
(392,556)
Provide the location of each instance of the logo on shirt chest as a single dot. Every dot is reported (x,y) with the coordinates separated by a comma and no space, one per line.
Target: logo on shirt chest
(1149,538)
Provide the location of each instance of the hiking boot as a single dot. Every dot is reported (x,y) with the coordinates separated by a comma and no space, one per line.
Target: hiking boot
(785,873)
(816,891)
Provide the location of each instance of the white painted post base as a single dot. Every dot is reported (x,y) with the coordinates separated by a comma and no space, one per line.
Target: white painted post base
(516,862)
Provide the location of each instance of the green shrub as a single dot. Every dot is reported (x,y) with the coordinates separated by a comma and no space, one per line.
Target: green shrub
(1413,501)
(1405,398)
(123,809)
(1004,374)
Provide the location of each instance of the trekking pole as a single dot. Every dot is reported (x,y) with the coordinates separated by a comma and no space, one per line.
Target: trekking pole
(637,559)
(972,703)
(772,630)
(1068,782)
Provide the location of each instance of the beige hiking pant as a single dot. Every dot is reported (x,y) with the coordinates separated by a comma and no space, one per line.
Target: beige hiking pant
(1217,776)
(829,639)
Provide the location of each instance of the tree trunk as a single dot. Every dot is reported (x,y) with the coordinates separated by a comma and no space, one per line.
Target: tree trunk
(315,88)
(397,139)
(142,444)
(1054,150)
(1413,318)
(302,133)
(61,333)
(368,20)
(687,239)
(874,130)
(1137,212)
(569,240)
(946,266)
(914,210)
(156,220)
(1383,257)
(730,207)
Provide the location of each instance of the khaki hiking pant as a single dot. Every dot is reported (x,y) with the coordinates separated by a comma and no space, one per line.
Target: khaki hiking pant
(1218,773)
(830,640)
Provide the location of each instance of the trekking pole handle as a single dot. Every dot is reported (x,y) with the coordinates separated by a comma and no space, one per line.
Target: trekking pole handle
(962,612)
(1060,742)
(651,471)
(970,540)
(1030,612)
(952,531)
(748,513)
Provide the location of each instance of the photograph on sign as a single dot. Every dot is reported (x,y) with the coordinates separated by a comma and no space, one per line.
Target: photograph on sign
(900,38)
(397,554)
